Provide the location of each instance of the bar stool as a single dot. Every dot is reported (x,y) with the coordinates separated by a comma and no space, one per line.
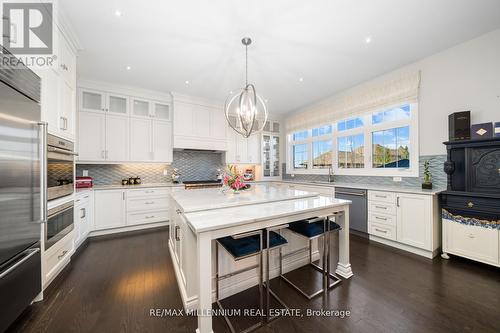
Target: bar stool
(311,229)
(242,246)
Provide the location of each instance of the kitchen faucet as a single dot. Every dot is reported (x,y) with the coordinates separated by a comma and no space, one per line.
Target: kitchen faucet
(330,174)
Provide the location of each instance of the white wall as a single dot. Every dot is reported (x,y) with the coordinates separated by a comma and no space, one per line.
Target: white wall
(464,77)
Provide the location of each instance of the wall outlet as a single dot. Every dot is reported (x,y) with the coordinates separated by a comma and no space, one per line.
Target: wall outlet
(292,175)
(85,173)
(165,172)
(397,179)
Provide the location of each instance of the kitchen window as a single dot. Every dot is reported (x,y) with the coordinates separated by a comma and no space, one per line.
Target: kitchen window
(378,143)
(322,154)
(350,151)
(300,156)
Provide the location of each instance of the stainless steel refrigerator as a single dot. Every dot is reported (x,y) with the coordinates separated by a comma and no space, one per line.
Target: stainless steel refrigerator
(22,188)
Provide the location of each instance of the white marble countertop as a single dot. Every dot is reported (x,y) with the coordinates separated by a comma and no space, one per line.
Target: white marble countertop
(216,198)
(130,187)
(209,220)
(375,187)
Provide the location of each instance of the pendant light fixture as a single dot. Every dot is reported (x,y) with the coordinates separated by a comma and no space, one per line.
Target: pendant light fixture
(246,111)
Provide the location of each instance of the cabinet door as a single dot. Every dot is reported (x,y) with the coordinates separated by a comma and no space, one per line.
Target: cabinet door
(241,149)
(217,124)
(50,99)
(91,100)
(253,150)
(473,242)
(231,146)
(266,154)
(162,141)
(67,112)
(140,140)
(183,119)
(91,129)
(117,136)
(117,104)
(109,209)
(202,120)
(162,111)
(141,108)
(275,155)
(414,220)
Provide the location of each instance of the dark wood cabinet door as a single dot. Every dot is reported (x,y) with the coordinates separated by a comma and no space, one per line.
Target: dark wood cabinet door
(484,171)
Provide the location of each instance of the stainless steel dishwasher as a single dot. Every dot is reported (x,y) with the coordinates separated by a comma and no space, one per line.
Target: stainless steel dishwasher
(358,212)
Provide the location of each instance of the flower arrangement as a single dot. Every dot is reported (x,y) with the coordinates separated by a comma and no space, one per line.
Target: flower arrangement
(233,179)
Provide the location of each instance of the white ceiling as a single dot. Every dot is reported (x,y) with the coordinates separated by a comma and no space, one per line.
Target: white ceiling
(323,42)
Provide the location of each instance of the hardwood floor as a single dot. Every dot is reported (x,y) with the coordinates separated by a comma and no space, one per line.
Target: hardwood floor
(113,283)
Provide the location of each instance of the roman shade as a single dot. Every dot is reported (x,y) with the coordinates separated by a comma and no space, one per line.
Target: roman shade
(361,99)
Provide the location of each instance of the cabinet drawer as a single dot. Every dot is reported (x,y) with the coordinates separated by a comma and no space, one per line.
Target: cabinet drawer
(389,197)
(473,242)
(147,203)
(56,256)
(382,218)
(382,230)
(82,199)
(381,207)
(149,217)
(148,192)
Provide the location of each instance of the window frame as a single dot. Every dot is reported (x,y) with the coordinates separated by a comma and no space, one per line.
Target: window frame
(366,130)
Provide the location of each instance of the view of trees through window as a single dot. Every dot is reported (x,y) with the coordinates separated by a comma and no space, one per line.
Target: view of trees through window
(351,151)
(391,148)
(322,154)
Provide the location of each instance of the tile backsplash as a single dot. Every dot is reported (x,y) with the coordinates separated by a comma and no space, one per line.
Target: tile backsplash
(435,165)
(192,165)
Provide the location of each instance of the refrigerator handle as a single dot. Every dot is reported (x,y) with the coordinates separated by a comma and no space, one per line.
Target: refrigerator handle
(43,172)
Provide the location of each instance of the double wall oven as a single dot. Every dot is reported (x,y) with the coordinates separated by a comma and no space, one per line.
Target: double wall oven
(60,176)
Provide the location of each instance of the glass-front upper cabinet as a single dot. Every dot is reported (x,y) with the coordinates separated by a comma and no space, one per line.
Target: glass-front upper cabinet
(271,149)
(161,111)
(140,108)
(91,100)
(117,104)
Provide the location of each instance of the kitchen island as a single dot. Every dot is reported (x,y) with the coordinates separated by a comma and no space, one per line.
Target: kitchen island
(198,217)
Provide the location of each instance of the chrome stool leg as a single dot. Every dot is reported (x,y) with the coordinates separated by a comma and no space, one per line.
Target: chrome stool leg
(269,292)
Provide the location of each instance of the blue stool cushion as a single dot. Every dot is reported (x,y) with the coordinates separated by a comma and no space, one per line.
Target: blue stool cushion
(310,230)
(250,245)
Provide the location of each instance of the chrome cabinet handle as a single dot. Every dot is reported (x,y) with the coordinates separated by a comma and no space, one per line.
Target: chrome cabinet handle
(43,172)
(83,213)
(149,202)
(62,254)
(177,237)
(397,201)
(381,196)
(380,207)
(150,216)
(382,231)
(381,218)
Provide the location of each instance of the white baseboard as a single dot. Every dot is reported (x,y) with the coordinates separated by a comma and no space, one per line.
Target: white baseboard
(404,247)
(127,228)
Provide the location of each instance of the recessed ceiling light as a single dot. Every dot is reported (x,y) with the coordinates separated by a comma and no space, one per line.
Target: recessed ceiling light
(129,68)
(301,79)
(368,40)
(118,13)
(187,82)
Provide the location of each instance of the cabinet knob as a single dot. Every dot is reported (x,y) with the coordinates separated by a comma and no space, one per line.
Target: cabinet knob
(470,204)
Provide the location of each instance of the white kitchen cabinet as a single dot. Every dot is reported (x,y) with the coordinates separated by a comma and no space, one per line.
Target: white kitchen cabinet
(198,126)
(473,242)
(270,155)
(117,138)
(161,111)
(58,97)
(408,221)
(83,219)
(242,150)
(92,100)
(91,142)
(109,209)
(414,220)
(99,101)
(140,139)
(147,206)
(135,129)
(162,141)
